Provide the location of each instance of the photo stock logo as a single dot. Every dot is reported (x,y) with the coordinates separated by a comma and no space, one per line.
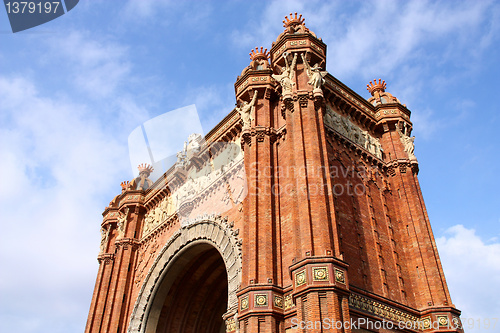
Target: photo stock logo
(28,14)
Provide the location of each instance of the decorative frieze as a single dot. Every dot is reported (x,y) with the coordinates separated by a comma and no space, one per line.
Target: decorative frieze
(379,309)
(350,98)
(345,127)
(222,176)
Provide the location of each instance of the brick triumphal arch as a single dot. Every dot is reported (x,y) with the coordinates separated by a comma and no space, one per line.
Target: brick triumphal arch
(301,211)
(193,241)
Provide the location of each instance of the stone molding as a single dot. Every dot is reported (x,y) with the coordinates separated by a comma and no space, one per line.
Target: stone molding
(217,232)
(402,165)
(260,132)
(379,309)
(106,258)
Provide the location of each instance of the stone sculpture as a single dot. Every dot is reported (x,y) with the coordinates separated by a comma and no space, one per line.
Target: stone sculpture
(246,111)
(315,75)
(286,76)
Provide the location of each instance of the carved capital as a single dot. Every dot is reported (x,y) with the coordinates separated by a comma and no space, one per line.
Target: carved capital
(303,100)
(127,242)
(246,137)
(402,167)
(288,104)
(283,110)
(106,258)
(391,170)
(267,93)
(318,103)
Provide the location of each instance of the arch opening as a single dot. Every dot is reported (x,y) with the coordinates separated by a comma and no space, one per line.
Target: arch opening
(191,294)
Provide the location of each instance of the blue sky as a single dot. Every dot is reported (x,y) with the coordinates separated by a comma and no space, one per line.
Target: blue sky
(72,90)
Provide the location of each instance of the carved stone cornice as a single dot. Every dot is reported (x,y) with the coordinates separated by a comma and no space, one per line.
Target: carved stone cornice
(303,99)
(254,80)
(126,242)
(106,258)
(392,112)
(286,104)
(348,144)
(319,102)
(353,100)
(402,165)
(368,305)
(297,43)
(260,132)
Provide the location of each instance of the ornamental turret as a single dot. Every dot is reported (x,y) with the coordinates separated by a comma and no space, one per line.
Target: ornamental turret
(379,95)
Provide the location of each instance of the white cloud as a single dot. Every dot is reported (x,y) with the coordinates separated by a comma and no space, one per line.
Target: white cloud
(264,30)
(144,8)
(472,270)
(57,164)
(99,66)
(383,35)
(213,103)
(189,14)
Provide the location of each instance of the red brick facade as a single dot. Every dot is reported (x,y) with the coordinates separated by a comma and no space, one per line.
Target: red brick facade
(332,226)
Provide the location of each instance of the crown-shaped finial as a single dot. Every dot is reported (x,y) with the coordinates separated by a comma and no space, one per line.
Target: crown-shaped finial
(262,54)
(125,184)
(293,20)
(373,87)
(145,168)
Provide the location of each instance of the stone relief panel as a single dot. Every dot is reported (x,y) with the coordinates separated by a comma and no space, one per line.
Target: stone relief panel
(345,127)
(212,188)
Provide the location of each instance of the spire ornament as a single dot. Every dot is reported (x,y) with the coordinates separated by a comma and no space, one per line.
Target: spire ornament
(262,54)
(295,25)
(376,87)
(145,168)
(259,59)
(142,182)
(379,95)
(293,21)
(125,185)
